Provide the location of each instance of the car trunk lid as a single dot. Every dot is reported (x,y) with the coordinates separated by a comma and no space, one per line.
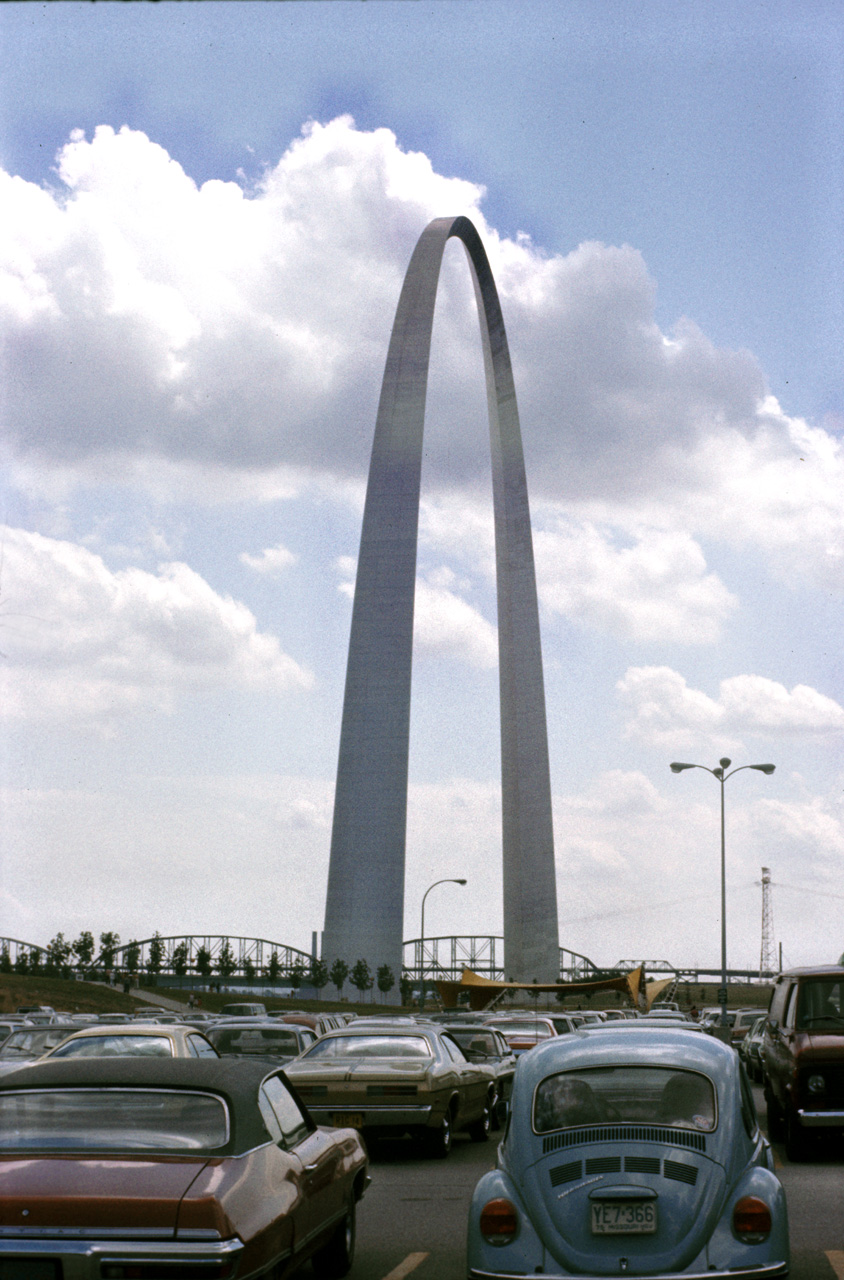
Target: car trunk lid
(77,1195)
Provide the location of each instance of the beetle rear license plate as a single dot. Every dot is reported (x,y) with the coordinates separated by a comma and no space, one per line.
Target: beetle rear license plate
(347,1119)
(623,1217)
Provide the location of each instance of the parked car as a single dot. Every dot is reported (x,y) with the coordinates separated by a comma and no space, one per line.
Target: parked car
(157,1167)
(390,1083)
(744,1020)
(524,1031)
(135,1039)
(633,1152)
(271,1041)
(28,1044)
(750,1048)
(485,1044)
(803,1056)
(318,1022)
(564,1023)
(243,1009)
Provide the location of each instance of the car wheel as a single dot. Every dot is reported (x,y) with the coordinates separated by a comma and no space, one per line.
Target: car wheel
(479,1131)
(776,1119)
(796,1141)
(438,1142)
(335,1258)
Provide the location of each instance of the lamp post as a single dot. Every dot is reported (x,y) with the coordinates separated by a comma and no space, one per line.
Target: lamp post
(448,880)
(721,774)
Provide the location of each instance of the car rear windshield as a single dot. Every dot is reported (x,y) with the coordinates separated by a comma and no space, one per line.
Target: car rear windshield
(116,1046)
(111,1120)
(31,1044)
(820,1006)
(524,1026)
(626,1094)
(370,1047)
(476,1041)
(266,1040)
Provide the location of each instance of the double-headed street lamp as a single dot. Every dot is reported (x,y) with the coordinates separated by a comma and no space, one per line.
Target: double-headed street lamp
(721,774)
(447,880)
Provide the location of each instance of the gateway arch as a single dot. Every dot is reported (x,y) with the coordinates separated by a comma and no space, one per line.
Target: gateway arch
(365,900)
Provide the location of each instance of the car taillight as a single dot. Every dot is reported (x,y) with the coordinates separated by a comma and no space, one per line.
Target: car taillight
(752,1220)
(499,1222)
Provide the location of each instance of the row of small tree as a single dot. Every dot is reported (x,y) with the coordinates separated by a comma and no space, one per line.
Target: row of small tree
(61,957)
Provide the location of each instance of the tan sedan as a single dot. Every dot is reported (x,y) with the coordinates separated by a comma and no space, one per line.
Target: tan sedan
(136,1040)
(412,1081)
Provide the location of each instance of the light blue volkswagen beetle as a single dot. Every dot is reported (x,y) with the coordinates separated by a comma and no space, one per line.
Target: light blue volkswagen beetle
(630,1152)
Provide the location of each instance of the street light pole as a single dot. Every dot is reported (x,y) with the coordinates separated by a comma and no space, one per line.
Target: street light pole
(448,880)
(721,774)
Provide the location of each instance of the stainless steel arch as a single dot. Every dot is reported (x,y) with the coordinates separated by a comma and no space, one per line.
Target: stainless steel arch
(365,899)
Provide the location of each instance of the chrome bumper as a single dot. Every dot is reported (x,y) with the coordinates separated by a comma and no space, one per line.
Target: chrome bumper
(821,1119)
(86,1259)
(372,1116)
(768,1270)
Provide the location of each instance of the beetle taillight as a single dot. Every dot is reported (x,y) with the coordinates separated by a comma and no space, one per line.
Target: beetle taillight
(752,1220)
(499,1221)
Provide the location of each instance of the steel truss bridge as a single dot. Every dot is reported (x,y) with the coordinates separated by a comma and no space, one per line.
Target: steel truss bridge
(444,957)
(257,952)
(447,957)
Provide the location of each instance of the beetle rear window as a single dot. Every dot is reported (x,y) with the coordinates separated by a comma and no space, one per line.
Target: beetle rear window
(612,1095)
(112,1120)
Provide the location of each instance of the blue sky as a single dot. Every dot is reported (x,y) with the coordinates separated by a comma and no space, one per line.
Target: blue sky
(208,210)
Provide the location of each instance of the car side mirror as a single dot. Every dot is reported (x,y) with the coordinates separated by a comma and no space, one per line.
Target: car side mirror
(773,1025)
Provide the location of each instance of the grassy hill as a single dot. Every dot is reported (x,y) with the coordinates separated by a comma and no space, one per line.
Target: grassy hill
(62,994)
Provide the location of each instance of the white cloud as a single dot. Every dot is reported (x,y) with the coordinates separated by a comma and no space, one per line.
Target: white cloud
(153,327)
(271,561)
(444,624)
(656,590)
(664,711)
(85,643)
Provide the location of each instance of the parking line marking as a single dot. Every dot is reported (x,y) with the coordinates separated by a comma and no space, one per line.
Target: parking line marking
(836,1261)
(411,1262)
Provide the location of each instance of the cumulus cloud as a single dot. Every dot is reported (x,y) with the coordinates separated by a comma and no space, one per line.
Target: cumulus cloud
(445,625)
(655,590)
(663,711)
(271,561)
(85,643)
(153,324)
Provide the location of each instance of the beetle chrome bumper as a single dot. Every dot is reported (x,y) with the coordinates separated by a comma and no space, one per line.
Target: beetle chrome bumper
(766,1271)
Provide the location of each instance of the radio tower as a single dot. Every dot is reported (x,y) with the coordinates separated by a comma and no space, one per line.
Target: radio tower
(767,957)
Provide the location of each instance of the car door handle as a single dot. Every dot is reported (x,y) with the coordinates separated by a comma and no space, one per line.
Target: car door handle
(312,1168)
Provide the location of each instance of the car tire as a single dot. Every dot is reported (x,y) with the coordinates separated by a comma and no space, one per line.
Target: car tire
(776,1119)
(438,1141)
(335,1259)
(479,1131)
(796,1140)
